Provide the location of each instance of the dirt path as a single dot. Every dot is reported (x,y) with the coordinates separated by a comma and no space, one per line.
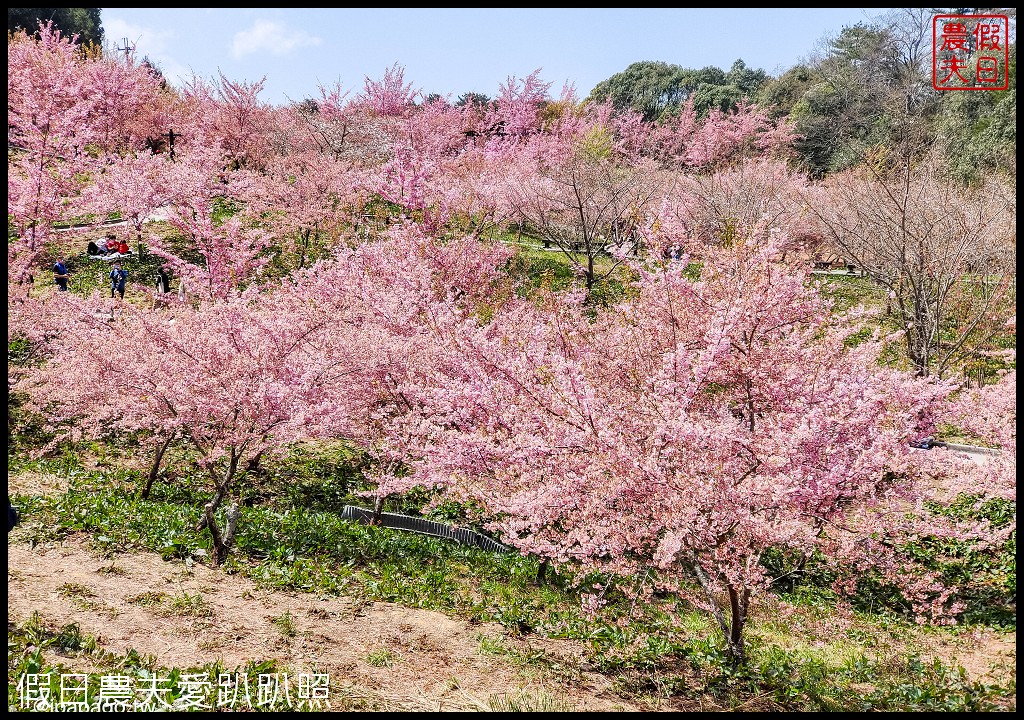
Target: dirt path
(186,617)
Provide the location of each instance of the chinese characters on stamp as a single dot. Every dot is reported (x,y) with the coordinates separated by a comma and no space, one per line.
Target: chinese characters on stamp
(970,52)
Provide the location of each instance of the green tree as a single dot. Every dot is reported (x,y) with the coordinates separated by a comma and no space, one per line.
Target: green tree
(472,98)
(649,87)
(778,96)
(656,89)
(869,89)
(85,22)
(978,130)
(746,80)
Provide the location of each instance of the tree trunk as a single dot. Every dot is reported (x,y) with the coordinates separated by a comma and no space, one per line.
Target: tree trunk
(222,542)
(304,244)
(378,510)
(218,498)
(739,601)
(732,627)
(217,553)
(222,489)
(154,470)
(542,571)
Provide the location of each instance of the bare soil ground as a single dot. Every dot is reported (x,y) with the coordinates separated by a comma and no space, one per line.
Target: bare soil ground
(189,615)
(436,662)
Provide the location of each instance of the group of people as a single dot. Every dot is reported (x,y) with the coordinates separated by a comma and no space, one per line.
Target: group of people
(110,249)
(111,246)
(118,277)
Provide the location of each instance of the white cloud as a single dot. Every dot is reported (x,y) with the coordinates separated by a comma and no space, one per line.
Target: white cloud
(268,36)
(148,43)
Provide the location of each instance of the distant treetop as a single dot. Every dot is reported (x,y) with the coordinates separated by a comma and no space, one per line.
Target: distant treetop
(656,88)
(84,22)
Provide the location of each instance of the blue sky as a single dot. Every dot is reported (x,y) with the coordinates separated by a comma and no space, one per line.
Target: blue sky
(452,51)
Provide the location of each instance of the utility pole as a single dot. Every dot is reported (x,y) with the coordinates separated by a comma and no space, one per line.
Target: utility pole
(127,49)
(170,142)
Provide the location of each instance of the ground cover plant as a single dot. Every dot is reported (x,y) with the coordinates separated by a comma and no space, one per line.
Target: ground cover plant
(599,339)
(655,652)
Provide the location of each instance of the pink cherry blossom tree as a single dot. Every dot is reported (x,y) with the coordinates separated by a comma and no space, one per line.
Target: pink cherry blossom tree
(516,111)
(64,106)
(753,195)
(232,255)
(307,201)
(989,414)
(401,297)
(214,251)
(133,185)
(720,139)
(48,109)
(234,380)
(391,96)
(700,423)
(230,114)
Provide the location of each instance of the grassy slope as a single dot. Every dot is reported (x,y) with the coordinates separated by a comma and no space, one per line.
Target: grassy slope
(807,651)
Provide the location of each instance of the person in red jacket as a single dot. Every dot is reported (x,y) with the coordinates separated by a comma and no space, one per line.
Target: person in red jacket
(112,243)
(122,247)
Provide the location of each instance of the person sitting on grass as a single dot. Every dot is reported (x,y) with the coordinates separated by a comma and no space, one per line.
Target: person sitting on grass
(112,243)
(122,247)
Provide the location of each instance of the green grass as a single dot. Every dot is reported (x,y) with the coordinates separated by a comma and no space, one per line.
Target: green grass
(286,624)
(146,599)
(661,648)
(848,291)
(75,590)
(381,658)
(89,275)
(534,267)
(185,604)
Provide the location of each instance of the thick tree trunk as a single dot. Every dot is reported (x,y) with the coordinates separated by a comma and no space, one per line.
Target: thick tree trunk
(222,542)
(542,571)
(739,601)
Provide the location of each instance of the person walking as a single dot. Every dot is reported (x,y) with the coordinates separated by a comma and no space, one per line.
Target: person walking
(163,283)
(117,280)
(60,275)
(12,515)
